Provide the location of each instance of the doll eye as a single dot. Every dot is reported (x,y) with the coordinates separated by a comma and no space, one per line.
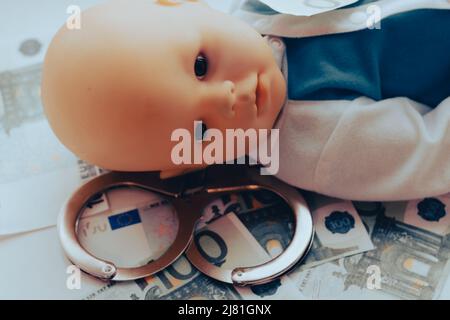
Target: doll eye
(200,131)
(201,66)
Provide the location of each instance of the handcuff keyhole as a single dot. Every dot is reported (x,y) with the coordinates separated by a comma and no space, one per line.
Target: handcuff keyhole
(107,269)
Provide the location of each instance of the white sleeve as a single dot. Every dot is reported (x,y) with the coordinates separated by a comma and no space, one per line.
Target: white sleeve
(394,149)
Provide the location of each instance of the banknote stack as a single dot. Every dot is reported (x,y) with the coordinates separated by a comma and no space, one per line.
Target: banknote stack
(395,250)
(34,166)
(410,260)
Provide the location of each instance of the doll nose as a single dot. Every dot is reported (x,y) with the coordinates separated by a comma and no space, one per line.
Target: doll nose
(231,88)
(230,92)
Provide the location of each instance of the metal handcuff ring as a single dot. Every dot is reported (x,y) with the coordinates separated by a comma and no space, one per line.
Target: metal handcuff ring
(189,195)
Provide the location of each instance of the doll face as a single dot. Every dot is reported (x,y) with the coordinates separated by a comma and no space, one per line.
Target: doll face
(115,90)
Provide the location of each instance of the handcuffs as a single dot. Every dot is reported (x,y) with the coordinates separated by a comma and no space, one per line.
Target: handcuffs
(189,194)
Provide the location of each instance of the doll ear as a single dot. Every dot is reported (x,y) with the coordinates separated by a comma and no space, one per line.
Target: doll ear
(165,174)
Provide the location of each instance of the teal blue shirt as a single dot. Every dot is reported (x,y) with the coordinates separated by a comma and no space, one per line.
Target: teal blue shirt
(408,57)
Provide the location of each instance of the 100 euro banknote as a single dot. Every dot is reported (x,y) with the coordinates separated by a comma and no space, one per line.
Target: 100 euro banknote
(37,173)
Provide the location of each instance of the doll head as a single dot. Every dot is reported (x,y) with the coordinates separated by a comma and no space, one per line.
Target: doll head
(116,89)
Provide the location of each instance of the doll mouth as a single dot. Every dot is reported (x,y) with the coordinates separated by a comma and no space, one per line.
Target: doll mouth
(260,94)
(256,98)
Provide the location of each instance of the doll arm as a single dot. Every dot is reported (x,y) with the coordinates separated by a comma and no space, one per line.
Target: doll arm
(392,149)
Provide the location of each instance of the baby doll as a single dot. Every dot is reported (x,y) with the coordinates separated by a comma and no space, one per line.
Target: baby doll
(365,115)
